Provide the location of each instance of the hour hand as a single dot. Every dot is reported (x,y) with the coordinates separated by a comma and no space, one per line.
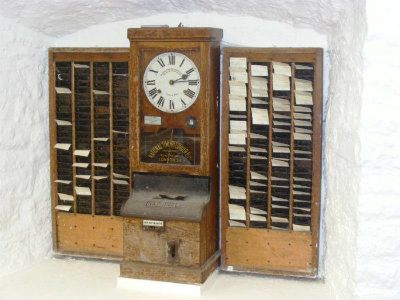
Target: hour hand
(184,77)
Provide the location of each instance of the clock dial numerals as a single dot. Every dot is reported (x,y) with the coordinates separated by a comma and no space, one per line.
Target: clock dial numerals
(151,82)
(161,62)
(153,93)
(183,103)
(171,82)
(161,101)
(171,58)
(194,82)
(189,71)
(189,93)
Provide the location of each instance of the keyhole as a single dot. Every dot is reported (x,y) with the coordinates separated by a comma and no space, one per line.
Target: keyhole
(172,250)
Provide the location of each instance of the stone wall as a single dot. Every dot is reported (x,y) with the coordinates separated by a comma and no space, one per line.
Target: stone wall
(25,231)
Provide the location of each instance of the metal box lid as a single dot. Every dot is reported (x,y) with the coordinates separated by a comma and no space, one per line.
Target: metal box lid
(167,197)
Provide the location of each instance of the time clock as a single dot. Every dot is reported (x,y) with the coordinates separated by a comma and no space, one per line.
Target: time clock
(171,225)
(171,82)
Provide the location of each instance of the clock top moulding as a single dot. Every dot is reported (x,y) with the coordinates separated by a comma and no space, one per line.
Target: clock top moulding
(206,34)
(204,42)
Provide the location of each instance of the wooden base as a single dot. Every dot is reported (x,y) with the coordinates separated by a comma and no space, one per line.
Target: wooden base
(172,273)
(269,252)
(89,236)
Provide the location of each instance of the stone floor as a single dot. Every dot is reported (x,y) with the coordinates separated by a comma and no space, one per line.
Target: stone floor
(72,279)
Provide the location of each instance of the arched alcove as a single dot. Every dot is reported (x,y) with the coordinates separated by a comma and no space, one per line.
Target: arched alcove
(28,28)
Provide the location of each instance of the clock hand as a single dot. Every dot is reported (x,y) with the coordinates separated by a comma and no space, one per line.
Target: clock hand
(184,77)
(176,81)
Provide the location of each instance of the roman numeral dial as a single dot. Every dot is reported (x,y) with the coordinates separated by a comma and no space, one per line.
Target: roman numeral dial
(171,82)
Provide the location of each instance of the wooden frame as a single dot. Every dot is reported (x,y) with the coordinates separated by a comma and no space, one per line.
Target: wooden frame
(77,233)
(267,250)
(204,42)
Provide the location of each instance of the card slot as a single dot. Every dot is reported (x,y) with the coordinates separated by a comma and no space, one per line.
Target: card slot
(63,116)
(65,189)
(82,119)
(67,176)
(280,212)
(120,195)
(281,94)
(64,165)
(301,220)
(102,201)
(237,179)
(120,106)
(121,123)
(101,102)
(123,129)
(279,226)
(84,210)
(303,197)
(81,159)
(303,148)
(258,198)
(102,111)
(121,114)
(121,168)
(65,130)
(64,174)
(120,139)
(65,139)
(261,188)
(121,92)
(302,156)
(102,121)
(103,130)
(63,96)
(100,172)
(82,144)
(102,212)
(101,156)
(102,192)
(81,102)
(303,165)
(65,108)
(102,147)
(64,158)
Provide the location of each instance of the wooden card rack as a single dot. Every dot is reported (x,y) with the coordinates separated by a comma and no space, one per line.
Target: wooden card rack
(271,159)
(89,140)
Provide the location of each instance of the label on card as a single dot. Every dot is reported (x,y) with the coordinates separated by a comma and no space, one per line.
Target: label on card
(152,120)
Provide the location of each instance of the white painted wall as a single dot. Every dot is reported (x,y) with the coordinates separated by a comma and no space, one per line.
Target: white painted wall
(24,155)
(342,150)
(378,255)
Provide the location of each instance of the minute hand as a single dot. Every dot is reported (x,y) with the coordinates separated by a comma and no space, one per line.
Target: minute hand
(178,81)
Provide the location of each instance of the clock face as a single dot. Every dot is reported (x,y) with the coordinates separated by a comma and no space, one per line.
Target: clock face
(171,82)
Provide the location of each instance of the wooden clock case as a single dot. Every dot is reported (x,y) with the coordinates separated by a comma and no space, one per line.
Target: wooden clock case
(182,250)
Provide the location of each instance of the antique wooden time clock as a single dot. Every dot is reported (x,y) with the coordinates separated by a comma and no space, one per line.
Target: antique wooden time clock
(171,226)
